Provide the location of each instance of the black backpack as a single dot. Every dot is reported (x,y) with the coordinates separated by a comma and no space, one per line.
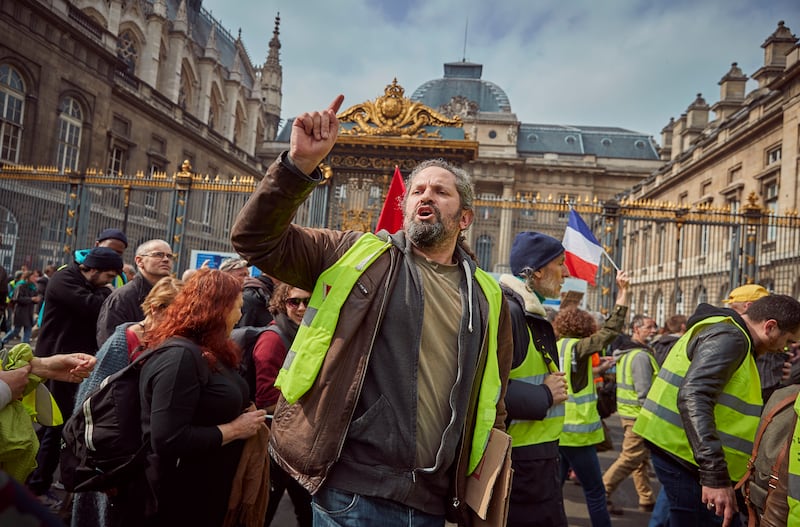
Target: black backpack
(245,337)
(102,447)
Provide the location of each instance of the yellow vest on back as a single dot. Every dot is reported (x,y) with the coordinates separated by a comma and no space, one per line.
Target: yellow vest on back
(736,413)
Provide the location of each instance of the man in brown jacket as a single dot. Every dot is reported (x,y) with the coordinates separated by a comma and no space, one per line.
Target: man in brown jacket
(417,348)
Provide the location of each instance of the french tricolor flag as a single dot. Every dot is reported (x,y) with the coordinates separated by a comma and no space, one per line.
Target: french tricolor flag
(582,250)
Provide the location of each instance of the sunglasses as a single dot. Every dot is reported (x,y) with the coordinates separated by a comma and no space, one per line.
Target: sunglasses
(295,302)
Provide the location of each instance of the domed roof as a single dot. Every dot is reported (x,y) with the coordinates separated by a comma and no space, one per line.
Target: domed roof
(463,79)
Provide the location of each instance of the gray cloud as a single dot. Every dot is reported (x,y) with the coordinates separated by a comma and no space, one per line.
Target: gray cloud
(627,63)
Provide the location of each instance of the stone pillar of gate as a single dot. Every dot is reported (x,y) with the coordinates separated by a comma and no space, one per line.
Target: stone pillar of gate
(183,184)
(506,236)
(73,214)
(754,218)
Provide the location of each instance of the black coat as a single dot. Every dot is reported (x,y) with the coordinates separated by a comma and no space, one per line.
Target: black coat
(124,305)
(69,319)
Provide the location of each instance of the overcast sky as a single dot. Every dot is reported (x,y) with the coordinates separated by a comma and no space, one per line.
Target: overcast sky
(627,63)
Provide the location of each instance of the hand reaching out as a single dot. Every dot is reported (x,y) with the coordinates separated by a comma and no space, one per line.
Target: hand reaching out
(69,367)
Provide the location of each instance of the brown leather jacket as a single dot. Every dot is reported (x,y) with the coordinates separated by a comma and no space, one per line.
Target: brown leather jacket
(308,437)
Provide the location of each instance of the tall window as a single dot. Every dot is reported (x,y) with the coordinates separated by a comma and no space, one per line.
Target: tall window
(12,104)
(70,121)
(116,160)
(771,204)
(773,155)
(127,51)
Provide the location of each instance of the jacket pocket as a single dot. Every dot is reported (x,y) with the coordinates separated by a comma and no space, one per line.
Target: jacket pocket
(373,437)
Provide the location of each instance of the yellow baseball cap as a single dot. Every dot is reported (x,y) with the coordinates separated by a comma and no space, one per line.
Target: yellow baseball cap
(746,293)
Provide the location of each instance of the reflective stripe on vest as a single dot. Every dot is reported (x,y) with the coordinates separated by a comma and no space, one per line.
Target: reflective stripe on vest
(310,346)
(793,495)
(534,369)
(582,425)
(736,412)
(322,316)
(627,399)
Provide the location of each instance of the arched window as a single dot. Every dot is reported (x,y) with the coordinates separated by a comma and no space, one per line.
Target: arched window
(12,106)
(679,307)
(483,250)
(660,314)
(128,51)
(700,295)
(70,122)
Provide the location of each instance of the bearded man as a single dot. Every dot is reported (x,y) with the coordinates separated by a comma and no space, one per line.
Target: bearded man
(399,368)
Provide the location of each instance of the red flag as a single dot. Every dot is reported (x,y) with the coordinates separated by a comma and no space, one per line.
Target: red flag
(391,218)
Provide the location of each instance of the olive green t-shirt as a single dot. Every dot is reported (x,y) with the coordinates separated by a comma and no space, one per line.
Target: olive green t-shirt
(438,355)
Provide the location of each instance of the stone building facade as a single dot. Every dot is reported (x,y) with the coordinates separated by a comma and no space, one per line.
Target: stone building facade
(740,156)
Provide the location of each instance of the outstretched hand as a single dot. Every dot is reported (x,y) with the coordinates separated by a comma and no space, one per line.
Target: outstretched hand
(313,136)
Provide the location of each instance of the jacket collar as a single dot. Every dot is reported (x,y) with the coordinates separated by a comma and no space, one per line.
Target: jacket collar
(530,301)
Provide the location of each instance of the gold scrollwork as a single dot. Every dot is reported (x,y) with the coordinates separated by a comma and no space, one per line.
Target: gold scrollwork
(394,115)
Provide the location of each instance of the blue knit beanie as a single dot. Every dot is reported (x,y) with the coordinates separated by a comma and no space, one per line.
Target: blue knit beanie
(534,250)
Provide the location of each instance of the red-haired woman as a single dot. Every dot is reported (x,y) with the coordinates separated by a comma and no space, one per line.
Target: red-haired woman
(194,404)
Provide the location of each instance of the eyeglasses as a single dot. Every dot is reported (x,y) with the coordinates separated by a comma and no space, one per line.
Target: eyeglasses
(161,255)
(295,302)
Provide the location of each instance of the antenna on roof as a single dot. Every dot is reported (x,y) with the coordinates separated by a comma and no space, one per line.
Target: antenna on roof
(466,27)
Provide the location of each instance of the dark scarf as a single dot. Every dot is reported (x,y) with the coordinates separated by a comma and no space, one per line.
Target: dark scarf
(287,326)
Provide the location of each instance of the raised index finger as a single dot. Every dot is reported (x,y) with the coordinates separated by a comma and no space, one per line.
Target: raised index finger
(337,103)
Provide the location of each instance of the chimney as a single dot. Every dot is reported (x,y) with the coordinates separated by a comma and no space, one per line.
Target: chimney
(775,47)
(731,93)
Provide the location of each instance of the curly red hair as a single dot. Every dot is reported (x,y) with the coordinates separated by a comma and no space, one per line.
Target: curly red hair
(574,323)
(198,314)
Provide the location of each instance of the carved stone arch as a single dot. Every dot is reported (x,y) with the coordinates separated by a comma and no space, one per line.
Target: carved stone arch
(96,15)
(130,43)
(261,130)
(134,27)
(239,122)
(188,89)
(216,107)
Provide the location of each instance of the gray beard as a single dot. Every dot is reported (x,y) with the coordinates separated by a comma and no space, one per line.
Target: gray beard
(426,234)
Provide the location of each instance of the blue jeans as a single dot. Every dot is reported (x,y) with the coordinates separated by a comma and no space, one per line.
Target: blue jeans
(338,508)
(26,334)
(660,515)
(584,461)
(684,493)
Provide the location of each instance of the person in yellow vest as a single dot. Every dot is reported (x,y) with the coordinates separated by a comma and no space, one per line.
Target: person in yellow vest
(398,371)
(793,486)
(636,369)
(702,412)
(537,388)
(578,339)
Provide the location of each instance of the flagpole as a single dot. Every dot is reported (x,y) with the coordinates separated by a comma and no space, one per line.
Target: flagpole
(612,261)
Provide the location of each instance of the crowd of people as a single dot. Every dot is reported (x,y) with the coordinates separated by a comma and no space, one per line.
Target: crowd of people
(365,373)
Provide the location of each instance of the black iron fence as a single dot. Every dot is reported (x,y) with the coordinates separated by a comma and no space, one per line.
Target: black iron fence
(678,256)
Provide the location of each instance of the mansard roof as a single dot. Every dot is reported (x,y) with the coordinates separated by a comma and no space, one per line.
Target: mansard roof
(600,141)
